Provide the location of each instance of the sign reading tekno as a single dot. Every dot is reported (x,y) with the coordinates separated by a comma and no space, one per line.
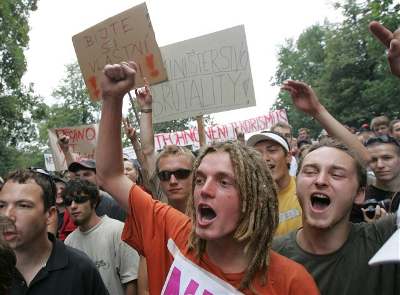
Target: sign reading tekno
(123,37)
(207,74)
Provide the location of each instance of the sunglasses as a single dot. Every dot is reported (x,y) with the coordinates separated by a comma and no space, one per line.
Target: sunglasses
(179,174)
(381,139)
(77,199)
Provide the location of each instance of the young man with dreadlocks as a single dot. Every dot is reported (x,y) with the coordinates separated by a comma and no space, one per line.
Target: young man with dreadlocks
(225,243)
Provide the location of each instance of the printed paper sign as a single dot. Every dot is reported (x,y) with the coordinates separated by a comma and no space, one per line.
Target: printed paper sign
(123,37)
(207,74)
(220,132)
(82,140)
(185,277)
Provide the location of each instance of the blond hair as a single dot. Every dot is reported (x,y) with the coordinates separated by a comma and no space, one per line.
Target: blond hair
(259,215)
(174,150)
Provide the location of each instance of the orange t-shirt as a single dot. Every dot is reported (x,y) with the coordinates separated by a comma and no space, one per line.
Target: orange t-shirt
(149,226)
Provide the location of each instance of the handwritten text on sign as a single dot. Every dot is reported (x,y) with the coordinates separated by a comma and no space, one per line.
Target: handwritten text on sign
(82,141)
(207,74)
(123,37)
(220,132)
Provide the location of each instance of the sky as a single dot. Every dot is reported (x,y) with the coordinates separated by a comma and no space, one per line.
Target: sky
(267,23)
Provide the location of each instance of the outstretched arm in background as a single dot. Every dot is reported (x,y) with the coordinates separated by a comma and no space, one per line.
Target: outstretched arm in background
(305,100)
(63,142)
(145,101)
(392,43)
(132,135)
(116,81)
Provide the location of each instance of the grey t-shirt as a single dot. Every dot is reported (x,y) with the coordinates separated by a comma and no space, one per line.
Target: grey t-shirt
(108,206)
(346,271)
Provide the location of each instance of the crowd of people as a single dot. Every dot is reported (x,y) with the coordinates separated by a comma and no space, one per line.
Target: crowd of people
(267,214)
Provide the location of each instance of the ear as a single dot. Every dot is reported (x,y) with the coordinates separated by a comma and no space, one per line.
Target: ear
(51,215)
(288,157)
(360,196)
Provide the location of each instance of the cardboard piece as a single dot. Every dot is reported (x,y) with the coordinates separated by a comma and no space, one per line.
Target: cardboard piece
(82,140)
(207,74)
(123,37)
(390,251)
(190,137)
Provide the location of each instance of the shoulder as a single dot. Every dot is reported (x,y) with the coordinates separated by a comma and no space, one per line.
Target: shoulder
(290,275)
(284,243)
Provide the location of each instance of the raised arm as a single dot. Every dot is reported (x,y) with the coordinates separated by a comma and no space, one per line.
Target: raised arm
(132,135)
(145,101)
(392,43)
(305,100)
(63,142)
(116,81)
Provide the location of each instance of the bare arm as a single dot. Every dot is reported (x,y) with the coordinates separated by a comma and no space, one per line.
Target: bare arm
(392,43)
(305,100)
(131,288)
(63,142)
(145,101)
(116,81)
(132,135)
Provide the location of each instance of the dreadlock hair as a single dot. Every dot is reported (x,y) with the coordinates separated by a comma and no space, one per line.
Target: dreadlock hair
(259,208)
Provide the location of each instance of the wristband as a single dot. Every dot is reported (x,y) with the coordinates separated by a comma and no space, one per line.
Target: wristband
(146,110)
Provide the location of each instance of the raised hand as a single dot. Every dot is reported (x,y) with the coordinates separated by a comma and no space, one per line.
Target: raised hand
(392,43)
(129,130)
(63,142)
(143,96)
(304,98)
(118,79)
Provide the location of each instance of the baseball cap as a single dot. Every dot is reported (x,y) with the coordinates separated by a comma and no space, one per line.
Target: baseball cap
(82,164)
(268,135)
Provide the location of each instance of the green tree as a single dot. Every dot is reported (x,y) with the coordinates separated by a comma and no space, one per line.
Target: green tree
(344,64)
(18,105)
(73,106)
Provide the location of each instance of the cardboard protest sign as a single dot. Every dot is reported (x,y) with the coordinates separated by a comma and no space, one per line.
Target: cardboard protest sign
(82,140)
(220,132)
(123,37)
(207,74)
(185,277)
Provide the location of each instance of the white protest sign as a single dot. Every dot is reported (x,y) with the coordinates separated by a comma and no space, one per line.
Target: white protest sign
(123,37)
(207,74)
(185,277)
(220,132)
(49,163)
(82,140)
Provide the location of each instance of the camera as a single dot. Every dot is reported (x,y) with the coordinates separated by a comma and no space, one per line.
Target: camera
(370,205)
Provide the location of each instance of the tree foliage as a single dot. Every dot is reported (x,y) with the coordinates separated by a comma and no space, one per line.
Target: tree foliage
(344,64)
(18,105)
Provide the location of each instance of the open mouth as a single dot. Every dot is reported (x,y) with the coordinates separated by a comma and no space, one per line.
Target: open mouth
(206,213)
(320,201)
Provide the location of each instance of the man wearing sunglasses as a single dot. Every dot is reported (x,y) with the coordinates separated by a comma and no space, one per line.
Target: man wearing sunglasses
(100,238)
(45,265)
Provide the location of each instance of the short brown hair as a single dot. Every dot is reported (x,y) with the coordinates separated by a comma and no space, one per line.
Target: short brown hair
(380,120)
(174,150)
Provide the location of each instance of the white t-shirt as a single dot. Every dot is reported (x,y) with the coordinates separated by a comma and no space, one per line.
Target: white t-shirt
(116,261)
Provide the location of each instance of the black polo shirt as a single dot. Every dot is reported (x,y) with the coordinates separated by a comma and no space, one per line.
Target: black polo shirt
(68,271)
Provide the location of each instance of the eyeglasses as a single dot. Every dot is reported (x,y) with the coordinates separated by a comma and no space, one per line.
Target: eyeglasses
(381,139)
(179,174)
(49,177)
(77,199)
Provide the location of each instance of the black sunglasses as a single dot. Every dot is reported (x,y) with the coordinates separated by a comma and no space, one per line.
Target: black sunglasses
(381,139)
(77,199)
(179,174)
(47,174)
